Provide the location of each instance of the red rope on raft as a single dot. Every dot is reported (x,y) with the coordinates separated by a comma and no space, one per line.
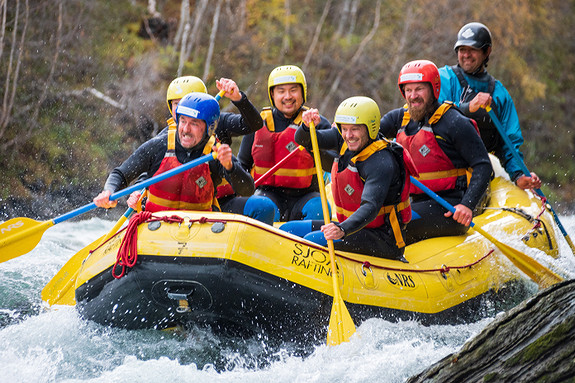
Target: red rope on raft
(128,251)
(543,208)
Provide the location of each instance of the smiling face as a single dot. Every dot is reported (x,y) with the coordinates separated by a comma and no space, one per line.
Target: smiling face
(191,131)
(355,136)
(288,98)
(419,99)
(470,59)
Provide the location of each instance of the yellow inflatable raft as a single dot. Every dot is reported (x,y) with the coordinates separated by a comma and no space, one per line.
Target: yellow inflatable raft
(234,273)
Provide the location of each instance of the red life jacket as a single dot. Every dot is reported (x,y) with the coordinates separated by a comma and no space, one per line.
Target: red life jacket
(436,171)
(190,190)
(270,147)
(224,189)
(347,188)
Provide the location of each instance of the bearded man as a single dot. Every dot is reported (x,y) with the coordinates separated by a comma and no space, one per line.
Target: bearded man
(447,151)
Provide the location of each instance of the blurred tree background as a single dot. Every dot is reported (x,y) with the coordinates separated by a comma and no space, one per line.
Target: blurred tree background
(84,82)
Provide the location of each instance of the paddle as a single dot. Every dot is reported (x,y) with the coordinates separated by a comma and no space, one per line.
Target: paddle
(517,158)
(533,269)
(60,289)
(341,326)
(19,236)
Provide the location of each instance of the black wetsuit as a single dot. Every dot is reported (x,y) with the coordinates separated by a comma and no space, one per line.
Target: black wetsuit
(461,143)
(383,183)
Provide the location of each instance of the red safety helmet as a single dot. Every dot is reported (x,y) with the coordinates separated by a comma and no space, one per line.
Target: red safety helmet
(420,71)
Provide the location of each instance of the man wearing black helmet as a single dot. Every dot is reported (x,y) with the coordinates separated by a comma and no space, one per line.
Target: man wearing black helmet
(472,89)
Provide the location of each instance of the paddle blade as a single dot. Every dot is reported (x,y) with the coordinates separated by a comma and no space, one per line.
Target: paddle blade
(60,289)
(533,269)
(341,326)
(19,236)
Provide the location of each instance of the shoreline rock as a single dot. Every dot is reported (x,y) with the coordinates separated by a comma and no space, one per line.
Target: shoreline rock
(533,342)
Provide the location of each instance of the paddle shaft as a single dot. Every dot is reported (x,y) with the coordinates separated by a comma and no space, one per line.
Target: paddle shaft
(273,169)
(341,326)
(524,169)
(143,184)
(533,269)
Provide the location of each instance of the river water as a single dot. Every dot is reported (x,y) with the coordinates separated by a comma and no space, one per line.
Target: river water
(38,344)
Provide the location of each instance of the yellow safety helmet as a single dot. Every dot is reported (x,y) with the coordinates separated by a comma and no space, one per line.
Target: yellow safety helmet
(359,110)
(181,86)
(286,74)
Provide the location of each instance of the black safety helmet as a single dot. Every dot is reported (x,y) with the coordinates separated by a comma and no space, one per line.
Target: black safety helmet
(474,35)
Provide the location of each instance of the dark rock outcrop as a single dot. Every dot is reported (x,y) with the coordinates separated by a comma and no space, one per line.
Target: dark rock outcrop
(533,342)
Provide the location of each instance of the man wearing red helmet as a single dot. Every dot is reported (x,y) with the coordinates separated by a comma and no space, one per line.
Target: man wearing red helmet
(472,89)
(446,149)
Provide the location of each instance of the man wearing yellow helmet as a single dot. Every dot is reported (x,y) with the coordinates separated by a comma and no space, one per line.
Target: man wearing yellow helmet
(177,89)
(293,188)
(370,183)
(446,149)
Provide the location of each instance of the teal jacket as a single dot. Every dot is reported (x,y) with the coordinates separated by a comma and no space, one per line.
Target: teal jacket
(451,90)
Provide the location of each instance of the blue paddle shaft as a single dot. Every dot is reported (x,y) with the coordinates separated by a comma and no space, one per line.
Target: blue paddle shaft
(524,169)
(133,188)
(433,195)
(507,141)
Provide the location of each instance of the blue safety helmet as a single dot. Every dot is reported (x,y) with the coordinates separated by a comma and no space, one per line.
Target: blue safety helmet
(201,106)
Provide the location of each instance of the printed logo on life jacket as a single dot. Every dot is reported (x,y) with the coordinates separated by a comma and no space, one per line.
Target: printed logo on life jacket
(291,146)
(424,150)
(401,280)
(348,189)
(310,259)
(12,226)
(201,182)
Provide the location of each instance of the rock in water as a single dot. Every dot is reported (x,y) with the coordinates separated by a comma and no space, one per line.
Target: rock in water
(533,342)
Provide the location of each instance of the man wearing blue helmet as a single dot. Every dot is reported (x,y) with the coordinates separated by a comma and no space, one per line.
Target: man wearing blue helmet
(197,115)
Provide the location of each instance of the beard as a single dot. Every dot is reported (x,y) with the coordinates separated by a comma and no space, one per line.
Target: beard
(417,113)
